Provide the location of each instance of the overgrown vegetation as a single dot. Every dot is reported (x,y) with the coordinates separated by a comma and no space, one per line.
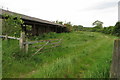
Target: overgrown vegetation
(81,54)
(98,27)
(11,25)
(116,29)
(112,30)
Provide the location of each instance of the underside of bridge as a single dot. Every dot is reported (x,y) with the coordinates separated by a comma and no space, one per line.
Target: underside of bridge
(38,28)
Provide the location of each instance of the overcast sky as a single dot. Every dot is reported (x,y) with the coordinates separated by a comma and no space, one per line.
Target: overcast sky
(78,12)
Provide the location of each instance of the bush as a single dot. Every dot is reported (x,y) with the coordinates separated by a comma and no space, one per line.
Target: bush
(44,36)
(116,30)
(108,30)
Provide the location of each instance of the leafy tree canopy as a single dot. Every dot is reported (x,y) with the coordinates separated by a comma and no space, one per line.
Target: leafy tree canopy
(98,24)
(11,24)
(116,29)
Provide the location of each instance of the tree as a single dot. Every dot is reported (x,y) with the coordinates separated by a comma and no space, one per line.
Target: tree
(116,29)
(78,27)
(59,22)
(11,24)
(98,24)
(108,30)
(69,26)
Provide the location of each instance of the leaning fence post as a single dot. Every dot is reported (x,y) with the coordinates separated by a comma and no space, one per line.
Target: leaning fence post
(115,67)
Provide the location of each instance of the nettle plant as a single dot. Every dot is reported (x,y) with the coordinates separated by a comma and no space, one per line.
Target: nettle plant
(11,25)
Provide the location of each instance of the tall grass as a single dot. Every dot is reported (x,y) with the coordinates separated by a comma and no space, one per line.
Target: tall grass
(14,62)
(81,55)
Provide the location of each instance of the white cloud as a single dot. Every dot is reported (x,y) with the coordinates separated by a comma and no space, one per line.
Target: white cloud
(80,12)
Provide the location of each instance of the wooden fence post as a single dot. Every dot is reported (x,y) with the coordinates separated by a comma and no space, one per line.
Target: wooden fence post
(26,46)
(23,47)
(6,37)
(115,67)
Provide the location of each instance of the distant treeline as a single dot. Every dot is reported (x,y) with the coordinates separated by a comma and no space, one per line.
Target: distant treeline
(112,30)
(98,27)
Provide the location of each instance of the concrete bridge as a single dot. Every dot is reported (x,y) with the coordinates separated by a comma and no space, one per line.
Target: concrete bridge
(38,26)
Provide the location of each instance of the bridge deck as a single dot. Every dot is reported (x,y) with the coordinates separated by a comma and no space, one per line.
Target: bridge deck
(29,18)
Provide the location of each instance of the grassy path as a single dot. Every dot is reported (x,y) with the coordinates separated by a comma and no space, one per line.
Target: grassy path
(81,55)
(78,61)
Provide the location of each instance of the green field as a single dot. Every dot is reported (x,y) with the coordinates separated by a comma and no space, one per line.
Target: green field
(81,55)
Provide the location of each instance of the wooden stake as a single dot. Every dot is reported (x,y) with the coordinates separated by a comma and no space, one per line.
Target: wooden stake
(26,46)
(6,37)
(21,42)
(115,67)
